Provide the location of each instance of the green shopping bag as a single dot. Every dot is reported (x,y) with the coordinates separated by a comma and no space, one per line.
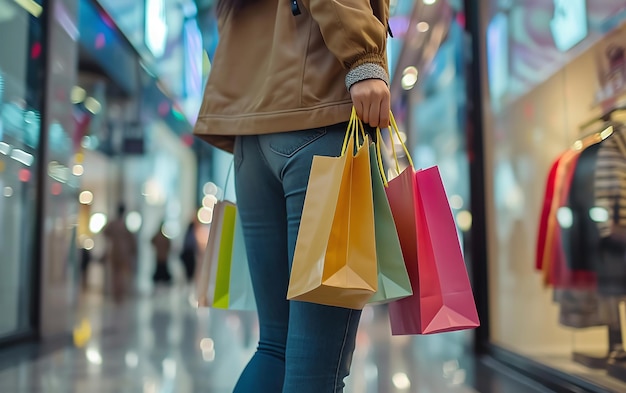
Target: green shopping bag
(237,293)
(224,280)
(393,278)
(224,257)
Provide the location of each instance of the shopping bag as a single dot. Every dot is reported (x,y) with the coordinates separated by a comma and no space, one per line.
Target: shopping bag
(224,256)
(442,297)
(393,279)
(335,256)
(240,292)
(205,285)
(224,281)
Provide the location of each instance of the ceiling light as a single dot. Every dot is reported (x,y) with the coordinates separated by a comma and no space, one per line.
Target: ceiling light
(205,215)
(89,244)
(97,222)
(77,95)
(423,27)
(93,105)
(31,7)
(78,170)
(409,78)
(133,221)
(85,197)
(22,157)
(5,148)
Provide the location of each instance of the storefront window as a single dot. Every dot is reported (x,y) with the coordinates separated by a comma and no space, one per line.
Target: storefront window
(555,159)
(21,81)
(438,116)
(431,106)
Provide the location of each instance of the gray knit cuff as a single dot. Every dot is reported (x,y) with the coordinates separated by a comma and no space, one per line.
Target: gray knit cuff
(366,71)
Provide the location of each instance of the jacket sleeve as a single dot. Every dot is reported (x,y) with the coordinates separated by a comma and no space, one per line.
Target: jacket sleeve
(354,35)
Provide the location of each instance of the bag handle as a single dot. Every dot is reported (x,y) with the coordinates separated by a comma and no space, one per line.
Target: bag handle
(396,130)
(393,130)
(355,126)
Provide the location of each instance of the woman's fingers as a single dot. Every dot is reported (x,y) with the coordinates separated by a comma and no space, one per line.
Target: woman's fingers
(371,98)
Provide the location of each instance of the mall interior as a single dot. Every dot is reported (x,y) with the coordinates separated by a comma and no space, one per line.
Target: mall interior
(520,103)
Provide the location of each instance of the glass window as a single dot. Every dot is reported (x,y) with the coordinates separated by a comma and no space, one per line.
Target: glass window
(432,106)
(557,264)
(21,81)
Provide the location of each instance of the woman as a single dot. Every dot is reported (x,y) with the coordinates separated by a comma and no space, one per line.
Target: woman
(285,76)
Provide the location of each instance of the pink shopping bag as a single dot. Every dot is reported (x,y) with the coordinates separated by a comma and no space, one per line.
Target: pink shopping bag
(442,299)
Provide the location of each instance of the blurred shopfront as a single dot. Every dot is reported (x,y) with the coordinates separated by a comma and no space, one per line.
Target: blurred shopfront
(22,100)
(92,115)
(553,81)
(520,104)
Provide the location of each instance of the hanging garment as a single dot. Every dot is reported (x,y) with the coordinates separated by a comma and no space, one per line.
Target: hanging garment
(554,264)
(609,213)
(545,213)
(560,275)
(579,234)
(610,184)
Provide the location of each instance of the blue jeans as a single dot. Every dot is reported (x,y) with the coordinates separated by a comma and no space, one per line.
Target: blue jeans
(303,347)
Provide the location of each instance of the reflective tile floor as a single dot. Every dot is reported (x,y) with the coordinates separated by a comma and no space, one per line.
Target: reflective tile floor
(161,344)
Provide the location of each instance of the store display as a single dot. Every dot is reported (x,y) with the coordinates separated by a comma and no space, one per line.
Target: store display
(581,244)
(555,170)
(560,223)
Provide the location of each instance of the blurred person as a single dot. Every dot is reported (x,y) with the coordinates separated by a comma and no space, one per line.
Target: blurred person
(189,252)
(162,246)
(284,78)
(85,259)
(121,254)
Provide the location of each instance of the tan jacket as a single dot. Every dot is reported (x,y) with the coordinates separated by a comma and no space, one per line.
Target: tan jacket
(276,72)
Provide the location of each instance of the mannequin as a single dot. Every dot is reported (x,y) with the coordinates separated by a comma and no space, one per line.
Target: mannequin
(615,357)
(616,362)
(596,239)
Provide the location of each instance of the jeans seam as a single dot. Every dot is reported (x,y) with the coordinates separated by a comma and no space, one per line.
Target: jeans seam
(343,346)
(237,153)
(267,163)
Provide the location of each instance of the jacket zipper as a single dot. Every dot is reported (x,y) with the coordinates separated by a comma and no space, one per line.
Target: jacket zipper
(295,8)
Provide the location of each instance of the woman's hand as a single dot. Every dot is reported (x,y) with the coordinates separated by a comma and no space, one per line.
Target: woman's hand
(371,99)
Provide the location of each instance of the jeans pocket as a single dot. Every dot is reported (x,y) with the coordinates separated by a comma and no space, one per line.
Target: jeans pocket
(287,144)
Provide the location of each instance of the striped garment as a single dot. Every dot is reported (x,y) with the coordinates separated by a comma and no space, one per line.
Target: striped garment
(610,183)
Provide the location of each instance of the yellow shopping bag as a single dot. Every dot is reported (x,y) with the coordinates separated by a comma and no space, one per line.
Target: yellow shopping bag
(335,256)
